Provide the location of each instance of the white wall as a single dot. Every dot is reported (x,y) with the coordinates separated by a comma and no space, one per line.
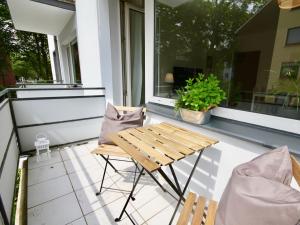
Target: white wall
(217,162)
(67,35)
(88,38)
(99,43)
(116,51)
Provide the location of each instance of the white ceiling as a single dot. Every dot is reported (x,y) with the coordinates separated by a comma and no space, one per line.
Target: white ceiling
(37,17)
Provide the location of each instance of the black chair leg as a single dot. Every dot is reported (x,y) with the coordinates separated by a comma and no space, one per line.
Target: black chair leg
(103,177)
(111,165)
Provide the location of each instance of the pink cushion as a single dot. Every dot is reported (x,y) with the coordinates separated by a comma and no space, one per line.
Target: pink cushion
(259,193)
(114,122)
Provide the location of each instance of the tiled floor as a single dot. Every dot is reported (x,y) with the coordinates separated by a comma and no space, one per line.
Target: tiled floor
(62,191)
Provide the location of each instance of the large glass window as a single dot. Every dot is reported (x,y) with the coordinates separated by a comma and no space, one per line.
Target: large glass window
(250,45)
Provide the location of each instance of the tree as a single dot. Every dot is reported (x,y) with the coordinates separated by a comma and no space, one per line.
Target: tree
(25,53)
(201,29)
(7,40)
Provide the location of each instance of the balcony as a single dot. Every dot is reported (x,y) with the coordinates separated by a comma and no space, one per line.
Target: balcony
(62,190)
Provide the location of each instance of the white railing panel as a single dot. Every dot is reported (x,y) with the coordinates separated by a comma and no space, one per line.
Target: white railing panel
(29,93)
(61,133)
(7,180)
(28,112)
(6,127)
(46,85)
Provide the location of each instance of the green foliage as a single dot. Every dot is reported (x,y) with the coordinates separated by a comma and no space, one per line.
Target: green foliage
(27,53)
(200,94)
(198,28)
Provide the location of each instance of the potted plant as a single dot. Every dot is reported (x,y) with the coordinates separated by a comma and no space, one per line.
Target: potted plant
(198,97)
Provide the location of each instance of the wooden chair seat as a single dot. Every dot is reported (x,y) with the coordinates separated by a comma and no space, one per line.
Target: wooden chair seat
(198,211)
(111,150)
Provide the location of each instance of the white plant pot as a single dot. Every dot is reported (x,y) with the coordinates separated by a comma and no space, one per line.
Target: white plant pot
(197,117)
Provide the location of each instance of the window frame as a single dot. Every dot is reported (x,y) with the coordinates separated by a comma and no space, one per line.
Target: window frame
(264,120)
(287,34)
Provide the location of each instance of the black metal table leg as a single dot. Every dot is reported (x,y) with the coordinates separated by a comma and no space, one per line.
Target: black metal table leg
(186,185)
(165,176)
(176,180)
(156,181)
(129,197)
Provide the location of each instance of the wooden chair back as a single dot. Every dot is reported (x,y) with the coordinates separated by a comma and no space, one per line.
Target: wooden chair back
(296,169)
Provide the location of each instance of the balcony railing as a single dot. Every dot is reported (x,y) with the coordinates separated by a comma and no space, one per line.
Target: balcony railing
(65,115)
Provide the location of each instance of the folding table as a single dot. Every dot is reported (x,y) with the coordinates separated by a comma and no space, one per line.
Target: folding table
(155,146)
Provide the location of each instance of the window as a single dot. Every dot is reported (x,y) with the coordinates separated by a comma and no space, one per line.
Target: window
(73,61)
(76,66)
(293,36)
(243,43)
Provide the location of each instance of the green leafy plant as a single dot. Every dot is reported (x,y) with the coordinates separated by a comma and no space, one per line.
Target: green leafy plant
(200,94)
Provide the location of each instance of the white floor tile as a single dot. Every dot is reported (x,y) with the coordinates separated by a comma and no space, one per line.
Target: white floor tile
(48,190)
(164,216)
(74,152)
(57,212)
(81,221)
(86,177)
(44,173)
(107,214)
(145,194)
(81,163)
(135,216)
(51,204)
(92,145)
(55,158)
(89,202)
(154,206)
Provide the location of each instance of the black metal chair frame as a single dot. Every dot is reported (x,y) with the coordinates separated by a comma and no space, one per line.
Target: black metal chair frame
(107,162)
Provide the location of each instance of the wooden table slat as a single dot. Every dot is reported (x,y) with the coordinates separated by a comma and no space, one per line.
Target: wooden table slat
(175,146)
(172,154)
(176,138)
(137,155)
(187,135)
(162,159)
(190,132)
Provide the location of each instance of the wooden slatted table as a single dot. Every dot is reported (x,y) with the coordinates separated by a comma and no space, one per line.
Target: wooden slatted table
(158,145)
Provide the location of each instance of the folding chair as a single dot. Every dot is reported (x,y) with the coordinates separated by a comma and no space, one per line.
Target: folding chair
(202,211)
(108,152)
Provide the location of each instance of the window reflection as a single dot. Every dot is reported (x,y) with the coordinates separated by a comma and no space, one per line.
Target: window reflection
(250,45)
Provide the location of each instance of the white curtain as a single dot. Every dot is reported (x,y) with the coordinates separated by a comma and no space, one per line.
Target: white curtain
(137,57)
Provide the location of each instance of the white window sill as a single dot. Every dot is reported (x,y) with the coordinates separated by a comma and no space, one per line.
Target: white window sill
(267,137)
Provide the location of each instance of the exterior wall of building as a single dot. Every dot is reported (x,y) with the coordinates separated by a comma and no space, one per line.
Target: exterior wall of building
(67,35)
(88,37)
(100,46)
(282,53)
(263,29)
(116,52)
